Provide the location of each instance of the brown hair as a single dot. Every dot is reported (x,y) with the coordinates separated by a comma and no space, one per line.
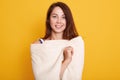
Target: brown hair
(70,30)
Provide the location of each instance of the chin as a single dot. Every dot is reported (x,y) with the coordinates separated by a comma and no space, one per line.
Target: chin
(57,31)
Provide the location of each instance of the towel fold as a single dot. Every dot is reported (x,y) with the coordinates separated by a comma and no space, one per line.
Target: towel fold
(47,59)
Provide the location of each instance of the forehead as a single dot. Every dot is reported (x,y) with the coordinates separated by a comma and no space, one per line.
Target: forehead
(57,10)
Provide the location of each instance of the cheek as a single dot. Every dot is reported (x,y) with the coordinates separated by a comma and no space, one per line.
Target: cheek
(65,22)
(52,24)
(64,27)
(52,21)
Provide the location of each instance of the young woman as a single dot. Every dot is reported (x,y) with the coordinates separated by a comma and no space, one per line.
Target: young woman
(62,37)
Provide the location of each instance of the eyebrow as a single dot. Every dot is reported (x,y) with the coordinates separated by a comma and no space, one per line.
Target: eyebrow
(53,14)
(57,14)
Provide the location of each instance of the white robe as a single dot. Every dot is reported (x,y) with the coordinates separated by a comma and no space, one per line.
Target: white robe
(47,59)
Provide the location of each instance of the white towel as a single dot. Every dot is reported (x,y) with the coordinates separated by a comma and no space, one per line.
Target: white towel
(47,59)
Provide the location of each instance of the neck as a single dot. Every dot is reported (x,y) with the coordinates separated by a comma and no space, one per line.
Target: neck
(56,36)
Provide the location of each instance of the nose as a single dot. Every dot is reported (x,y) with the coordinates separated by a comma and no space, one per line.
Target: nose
(58,20)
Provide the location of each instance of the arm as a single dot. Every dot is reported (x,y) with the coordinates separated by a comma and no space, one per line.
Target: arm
(67,53)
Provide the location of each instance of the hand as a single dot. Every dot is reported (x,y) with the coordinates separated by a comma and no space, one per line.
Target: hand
(67,53)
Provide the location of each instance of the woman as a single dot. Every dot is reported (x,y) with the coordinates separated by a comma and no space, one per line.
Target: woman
(61,34)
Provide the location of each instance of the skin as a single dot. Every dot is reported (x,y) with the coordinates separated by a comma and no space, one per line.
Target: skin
(58,25)
(67,53)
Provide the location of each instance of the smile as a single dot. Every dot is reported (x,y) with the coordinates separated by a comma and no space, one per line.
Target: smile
(58,26)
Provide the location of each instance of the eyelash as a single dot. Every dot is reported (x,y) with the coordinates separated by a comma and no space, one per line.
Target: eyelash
(63,17)
(56,16)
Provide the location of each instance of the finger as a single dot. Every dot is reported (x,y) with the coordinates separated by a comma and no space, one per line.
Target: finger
(72,52)
(69,46)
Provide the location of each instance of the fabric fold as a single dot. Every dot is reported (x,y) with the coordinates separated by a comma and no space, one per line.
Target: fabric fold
(47,59)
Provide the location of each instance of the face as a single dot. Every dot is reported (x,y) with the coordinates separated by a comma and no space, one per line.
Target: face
(57,20)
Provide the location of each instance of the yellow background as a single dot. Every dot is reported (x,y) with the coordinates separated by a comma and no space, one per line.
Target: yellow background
(97,21)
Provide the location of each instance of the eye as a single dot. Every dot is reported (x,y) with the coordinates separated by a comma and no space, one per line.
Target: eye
(63,17)
(54,16)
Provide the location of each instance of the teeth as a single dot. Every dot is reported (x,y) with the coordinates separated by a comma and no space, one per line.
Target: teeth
(58,26)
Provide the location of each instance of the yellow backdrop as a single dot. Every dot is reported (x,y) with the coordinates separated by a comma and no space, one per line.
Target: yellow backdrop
(97,21)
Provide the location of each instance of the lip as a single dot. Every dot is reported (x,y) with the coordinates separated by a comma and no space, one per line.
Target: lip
(58,26)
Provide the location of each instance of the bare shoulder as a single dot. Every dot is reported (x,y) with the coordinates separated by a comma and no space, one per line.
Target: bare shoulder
(39,41)
(36,42)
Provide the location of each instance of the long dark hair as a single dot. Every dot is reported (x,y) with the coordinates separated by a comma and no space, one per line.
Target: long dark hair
(70,30)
